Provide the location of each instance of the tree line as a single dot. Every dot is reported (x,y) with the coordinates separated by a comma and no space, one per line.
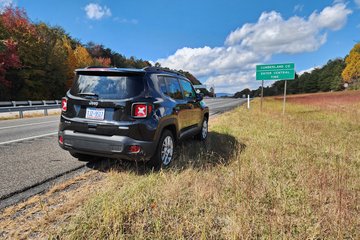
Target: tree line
(330,77)
(37,61)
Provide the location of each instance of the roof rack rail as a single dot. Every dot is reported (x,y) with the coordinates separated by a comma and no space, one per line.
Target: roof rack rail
(163,69)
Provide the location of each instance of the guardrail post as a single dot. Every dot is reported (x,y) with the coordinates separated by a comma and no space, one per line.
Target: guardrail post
(13,103)
(30,103)
(45,110)
(21,114)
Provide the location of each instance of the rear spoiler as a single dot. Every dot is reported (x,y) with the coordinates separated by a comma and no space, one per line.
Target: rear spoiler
(109,71)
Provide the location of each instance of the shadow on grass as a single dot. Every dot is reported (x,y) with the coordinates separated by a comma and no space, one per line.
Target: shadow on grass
(218,149)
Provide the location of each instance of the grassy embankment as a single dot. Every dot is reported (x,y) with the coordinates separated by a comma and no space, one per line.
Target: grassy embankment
(260,175)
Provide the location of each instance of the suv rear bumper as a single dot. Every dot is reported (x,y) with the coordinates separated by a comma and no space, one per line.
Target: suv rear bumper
(106,146)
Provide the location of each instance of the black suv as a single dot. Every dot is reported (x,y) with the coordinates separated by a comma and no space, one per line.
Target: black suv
(132,114)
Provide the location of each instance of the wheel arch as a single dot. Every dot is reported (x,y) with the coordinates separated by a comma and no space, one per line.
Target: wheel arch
(169,124)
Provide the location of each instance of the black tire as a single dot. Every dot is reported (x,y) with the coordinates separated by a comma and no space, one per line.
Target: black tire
(83,157)
(164,152)
(204,132)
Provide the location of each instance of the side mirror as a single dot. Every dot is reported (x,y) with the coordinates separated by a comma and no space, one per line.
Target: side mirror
(199,97)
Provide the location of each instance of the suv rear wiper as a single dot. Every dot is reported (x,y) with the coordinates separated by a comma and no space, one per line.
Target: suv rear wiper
(89,95)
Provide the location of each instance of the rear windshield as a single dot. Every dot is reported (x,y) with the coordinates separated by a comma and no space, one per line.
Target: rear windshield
(107,87)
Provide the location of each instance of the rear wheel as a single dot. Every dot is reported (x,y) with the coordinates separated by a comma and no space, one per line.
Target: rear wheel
(165,151)
(202,135)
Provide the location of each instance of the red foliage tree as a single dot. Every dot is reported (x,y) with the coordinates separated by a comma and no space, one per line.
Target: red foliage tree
(16,23)
(9,58)
(15,33)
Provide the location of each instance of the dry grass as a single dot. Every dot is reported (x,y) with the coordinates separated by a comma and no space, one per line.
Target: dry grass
(328,100)
(261,175)
(41,214)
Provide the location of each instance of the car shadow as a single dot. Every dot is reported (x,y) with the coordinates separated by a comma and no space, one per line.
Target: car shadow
(218,149)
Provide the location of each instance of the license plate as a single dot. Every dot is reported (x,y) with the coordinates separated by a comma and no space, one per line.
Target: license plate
(95,113)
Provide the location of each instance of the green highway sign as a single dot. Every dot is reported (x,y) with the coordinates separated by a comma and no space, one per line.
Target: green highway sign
(284,71)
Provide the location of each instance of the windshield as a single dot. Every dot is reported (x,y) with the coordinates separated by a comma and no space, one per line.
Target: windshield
(107,87)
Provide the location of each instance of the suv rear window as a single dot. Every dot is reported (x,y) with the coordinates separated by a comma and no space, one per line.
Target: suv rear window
(108,87)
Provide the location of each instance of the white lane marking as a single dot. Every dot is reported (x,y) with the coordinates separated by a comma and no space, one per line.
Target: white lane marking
(28,138)
(28,124)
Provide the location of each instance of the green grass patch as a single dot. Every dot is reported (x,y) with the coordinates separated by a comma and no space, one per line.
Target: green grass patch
(260,175)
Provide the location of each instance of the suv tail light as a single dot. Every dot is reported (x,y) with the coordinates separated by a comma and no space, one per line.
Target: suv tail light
(64,104)
(134,149)
(141,110)
(61,140)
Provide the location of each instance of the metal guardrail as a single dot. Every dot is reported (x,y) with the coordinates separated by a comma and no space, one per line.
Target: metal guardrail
(22,106)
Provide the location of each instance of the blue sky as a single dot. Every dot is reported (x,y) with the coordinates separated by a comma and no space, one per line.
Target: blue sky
(220,42)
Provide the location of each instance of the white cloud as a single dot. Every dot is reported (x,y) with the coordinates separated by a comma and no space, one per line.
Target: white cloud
(232,82)
(233,65)
(298,8)
(273,34)
(309,70)
(96,12)
(333,17)
(209,61)
(5,3)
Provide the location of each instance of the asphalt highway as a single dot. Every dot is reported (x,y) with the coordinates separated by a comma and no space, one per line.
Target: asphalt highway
(30,158)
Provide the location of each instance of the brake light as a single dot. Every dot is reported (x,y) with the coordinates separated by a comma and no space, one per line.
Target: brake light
(140,110)
(134,149)
(61,140)
(64,104)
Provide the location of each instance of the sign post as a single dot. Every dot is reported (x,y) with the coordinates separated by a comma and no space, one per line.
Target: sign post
(262,94)
(284,97)
(275,72)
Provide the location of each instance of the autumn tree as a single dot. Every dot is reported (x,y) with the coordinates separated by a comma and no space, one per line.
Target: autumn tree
(18,37)
(191,77)
(71,61)
(351,73)
(37,61)
(52,67)
(9,59)
(18,27)
(103,62)
(83,58)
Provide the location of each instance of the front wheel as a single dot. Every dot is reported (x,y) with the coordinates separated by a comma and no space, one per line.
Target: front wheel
(202,135)
(165,151)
